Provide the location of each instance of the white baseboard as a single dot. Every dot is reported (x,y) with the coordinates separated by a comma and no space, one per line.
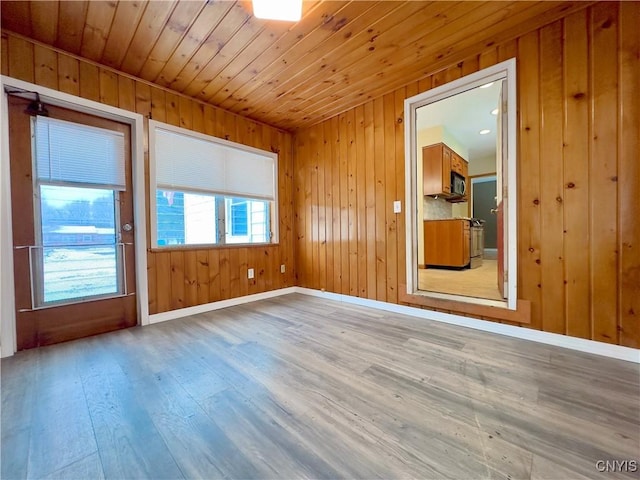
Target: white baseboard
(208,307)
(564,341)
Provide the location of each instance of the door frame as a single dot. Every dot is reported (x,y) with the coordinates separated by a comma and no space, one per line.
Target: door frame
(504,70)
(8,344)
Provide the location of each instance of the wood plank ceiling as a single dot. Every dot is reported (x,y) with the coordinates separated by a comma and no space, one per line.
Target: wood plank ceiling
(289,75)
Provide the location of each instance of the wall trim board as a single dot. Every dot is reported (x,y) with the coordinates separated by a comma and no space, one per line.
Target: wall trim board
(7,290)
(61,99)
(491,309)
(209,307)
(582,345)
(579,344)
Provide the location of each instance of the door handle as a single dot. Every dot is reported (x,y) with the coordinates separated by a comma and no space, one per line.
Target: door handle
(494,210)
(127,227)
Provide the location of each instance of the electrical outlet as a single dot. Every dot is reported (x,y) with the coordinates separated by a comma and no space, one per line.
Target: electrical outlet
(397,206)
(250,273)
(282,268)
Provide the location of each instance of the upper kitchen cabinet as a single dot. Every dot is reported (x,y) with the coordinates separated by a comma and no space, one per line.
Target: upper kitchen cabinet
(438,163)
(459,164)
(436,168)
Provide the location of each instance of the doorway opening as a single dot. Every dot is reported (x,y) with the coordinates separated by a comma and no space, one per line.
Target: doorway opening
(461,183)
(71,187)
(482,205)
(109,243)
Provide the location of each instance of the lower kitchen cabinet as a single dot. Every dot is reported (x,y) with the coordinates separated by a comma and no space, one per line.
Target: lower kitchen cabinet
(447,243)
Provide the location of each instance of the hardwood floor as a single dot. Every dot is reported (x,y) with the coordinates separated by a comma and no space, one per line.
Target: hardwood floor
(480,282)
(299,386)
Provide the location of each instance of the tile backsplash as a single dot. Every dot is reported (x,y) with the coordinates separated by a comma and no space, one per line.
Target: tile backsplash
(437,208)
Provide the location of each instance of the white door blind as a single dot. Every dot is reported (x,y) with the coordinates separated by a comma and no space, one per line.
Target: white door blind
(69,152)
(185,162)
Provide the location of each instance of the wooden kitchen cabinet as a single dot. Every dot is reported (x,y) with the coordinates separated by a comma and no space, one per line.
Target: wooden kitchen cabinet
(459,165)
(438,161)
(436,169)
(456,163)
(447,243)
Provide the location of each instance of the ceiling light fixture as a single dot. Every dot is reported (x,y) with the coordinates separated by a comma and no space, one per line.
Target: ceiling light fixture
(494,111)
(486,85)
(484,132)
(284,10)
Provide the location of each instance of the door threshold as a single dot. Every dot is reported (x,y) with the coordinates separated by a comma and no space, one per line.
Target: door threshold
(462,298)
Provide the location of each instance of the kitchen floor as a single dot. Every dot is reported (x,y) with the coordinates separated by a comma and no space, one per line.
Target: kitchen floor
(481,282)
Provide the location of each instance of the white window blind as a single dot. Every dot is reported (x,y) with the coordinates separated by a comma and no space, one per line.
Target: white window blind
(185,162)
(69,152)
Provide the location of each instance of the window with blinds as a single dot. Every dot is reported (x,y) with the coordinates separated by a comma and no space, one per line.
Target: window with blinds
(209,190)
(72,153)
(79,175)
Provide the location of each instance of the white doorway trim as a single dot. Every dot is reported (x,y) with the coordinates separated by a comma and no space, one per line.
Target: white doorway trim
(504,70)
(54,97)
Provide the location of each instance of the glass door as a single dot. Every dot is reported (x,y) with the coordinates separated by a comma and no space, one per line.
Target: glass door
(72,212)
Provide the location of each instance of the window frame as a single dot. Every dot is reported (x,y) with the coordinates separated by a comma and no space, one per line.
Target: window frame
(37,262)
(216,220)
(272,221)
(228,224)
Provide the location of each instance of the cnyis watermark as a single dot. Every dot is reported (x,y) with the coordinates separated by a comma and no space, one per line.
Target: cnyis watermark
(628,466)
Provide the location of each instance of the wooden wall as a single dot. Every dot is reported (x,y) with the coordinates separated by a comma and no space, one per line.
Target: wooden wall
(177,278)
(578,180)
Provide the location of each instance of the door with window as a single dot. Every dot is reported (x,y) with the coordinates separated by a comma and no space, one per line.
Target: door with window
(72,219)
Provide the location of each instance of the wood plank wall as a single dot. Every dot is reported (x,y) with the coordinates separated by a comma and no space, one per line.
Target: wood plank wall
(578,181)
(177,278)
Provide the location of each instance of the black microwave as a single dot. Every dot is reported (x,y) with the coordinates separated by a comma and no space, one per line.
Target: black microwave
(458,185)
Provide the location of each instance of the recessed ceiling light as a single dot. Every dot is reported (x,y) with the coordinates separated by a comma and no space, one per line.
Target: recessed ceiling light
(494,111)
(486,85)
(285,10)
(484,132)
